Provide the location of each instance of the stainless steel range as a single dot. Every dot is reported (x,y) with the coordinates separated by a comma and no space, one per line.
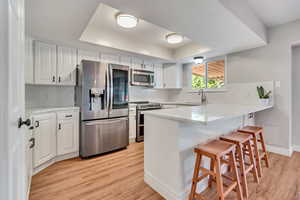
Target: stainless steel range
(102,94)
(140,118)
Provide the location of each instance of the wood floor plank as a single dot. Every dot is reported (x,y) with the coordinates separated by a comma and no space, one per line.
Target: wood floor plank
(120,176)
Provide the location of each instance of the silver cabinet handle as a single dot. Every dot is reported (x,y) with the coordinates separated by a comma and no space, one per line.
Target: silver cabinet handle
(68,116)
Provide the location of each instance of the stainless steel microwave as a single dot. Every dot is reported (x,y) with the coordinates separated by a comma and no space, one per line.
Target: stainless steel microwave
(142,78)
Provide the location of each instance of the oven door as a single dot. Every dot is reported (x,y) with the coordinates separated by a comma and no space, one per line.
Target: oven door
(142,78)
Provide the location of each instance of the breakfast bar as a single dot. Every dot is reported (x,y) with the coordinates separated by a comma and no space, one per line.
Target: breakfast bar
(171,135)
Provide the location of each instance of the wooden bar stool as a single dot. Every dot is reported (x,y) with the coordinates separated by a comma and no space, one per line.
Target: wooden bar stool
(244,147)
(216,150)
(257,137)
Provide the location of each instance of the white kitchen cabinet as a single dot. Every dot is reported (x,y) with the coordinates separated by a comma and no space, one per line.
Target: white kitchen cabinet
(172,76)
(110,58)
(137,63)
(147,65)
(158,76)
(87,55)
(44,63)
(66,65)
(29,77)
(132,122)
(125,60)
(67,132)
(45,138)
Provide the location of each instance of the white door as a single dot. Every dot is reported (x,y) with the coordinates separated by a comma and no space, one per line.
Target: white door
(45,63)
(45,138)
(66,65)
(12,138)
(67,132)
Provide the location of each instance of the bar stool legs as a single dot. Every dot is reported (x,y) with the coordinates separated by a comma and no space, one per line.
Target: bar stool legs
(216,150)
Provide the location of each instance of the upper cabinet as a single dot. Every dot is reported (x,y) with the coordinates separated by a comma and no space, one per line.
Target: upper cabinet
(110,58)
(87,55)
(172,76)
(45,63)
(168,76)
(136,63)
(147,65)
(158,76)
(125,60)
(66,65)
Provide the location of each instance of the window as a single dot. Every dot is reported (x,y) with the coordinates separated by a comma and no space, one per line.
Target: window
(210,74)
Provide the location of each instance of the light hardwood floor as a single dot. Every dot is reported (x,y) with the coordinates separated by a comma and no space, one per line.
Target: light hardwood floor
(119,176)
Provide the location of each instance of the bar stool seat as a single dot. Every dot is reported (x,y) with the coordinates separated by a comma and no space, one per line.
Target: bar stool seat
(258,137)
(244,147)
(216,150)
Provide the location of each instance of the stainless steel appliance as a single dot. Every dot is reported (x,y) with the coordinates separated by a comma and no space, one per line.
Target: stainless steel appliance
(102,94)
(140,118)
(142,78)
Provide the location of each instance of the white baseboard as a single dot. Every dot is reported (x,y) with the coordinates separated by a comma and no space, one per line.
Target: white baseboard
(54,160)
(280,150)
(296,148)
(162,189)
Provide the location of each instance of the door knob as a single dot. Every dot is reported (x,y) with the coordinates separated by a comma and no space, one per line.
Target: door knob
(27,122)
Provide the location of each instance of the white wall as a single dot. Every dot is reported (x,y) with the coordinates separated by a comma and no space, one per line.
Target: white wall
(296,97)
(272,62)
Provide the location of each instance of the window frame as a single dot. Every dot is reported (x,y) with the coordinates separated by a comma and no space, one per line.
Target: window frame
(205,62)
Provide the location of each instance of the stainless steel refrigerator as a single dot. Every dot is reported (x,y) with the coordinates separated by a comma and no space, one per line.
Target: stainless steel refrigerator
(102,95)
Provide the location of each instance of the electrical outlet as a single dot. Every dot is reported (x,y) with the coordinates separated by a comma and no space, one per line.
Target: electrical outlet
(277,84)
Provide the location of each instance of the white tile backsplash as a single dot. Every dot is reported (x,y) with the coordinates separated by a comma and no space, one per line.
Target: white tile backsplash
(40,96)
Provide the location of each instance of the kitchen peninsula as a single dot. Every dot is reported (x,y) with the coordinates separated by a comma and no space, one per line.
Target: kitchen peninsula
(171,134)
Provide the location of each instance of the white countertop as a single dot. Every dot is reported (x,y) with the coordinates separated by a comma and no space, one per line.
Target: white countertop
(183,103)
(207,113)
(49,109)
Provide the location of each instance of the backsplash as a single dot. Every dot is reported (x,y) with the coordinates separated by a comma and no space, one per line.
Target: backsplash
(240,93)
(40,96)
(146,94)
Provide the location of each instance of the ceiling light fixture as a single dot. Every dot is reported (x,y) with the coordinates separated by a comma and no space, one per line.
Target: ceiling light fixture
(126,20)
(198,59)
(174,38)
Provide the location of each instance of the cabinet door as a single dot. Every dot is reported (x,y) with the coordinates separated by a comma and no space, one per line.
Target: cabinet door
(158,76)
(45,138)
(87,55)
(148,65)
(172,76)
(110,58)
(67,132)
(132,125)
(66,65)
(29,61)
(45,63)
(137,63)
(125,60)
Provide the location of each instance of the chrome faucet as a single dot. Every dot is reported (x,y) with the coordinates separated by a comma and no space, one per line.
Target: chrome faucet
(203,99)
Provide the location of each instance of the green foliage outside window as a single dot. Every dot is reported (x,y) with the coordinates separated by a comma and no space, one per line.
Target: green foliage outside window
(198,82)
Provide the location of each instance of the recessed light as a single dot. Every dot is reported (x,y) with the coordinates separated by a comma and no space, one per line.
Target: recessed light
(126,20)
(198,59)
(174,38)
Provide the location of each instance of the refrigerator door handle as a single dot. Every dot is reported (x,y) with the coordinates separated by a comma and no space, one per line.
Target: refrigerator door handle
(106,122)
(111,88)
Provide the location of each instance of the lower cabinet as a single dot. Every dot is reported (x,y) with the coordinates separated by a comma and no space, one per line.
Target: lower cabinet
(45,138)
(67,132)
(55,134)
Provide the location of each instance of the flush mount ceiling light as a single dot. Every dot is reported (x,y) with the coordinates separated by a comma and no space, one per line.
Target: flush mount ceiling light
(174,38)
(126,20)
(198,59)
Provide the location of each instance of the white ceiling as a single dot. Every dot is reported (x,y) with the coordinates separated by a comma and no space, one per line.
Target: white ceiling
(275,12)
(102,29)
(208,23)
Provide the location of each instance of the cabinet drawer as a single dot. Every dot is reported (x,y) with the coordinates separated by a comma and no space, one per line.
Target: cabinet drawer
(65,115)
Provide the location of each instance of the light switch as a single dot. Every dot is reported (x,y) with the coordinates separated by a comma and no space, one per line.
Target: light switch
(277,84)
